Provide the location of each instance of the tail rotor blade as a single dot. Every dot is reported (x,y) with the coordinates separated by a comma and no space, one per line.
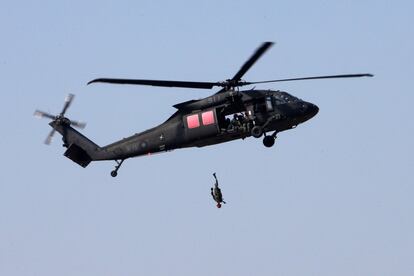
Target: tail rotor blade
(49,137)
(68,101)
(42,114)
(77,124)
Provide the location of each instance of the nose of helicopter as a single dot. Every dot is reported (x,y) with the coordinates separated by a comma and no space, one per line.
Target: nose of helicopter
(309,110)
(313,109)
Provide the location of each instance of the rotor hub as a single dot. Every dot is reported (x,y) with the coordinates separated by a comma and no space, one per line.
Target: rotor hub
(63,120)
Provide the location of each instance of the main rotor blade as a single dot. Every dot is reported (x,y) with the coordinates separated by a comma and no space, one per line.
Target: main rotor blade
(312,78)
(42,114)
(49,137)
(252,60)
(162,83)
(68,101)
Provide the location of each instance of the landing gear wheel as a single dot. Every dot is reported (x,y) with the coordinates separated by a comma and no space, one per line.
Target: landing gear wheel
(257,131)
(268,141)
(114,173)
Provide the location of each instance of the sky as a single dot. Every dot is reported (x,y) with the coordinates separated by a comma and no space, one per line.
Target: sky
(332,197)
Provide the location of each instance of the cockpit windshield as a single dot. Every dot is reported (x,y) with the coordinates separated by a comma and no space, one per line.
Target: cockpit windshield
(283,97)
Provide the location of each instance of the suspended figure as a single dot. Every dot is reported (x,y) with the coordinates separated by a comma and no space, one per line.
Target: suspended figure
(216,193)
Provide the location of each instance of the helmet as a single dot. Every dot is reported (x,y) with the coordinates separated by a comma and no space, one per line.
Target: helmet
(218,205)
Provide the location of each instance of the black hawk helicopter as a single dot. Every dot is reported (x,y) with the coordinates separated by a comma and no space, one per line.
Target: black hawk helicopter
(227,115)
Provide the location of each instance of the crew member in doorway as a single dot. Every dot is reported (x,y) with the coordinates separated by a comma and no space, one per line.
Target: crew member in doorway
(216,193)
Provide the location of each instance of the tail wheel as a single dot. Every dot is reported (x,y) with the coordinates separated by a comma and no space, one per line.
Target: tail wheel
(114,173)
(257,131)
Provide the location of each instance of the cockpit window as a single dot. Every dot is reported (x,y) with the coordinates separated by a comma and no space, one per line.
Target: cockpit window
(277,101)
(283,97)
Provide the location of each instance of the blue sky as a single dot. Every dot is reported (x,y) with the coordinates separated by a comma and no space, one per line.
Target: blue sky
(333,197)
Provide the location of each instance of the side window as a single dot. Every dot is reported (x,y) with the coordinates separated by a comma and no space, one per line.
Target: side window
(207,118)
(269,104)
(193,121)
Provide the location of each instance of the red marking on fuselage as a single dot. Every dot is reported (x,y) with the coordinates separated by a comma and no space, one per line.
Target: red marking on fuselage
(207,118)
(193,121)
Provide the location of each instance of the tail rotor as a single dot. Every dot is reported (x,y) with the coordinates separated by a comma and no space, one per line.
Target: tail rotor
(59,119)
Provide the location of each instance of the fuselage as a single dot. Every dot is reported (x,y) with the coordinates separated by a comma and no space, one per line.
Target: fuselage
(216,119)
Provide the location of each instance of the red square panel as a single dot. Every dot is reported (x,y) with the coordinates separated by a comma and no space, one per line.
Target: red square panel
(193,121)
(208,118)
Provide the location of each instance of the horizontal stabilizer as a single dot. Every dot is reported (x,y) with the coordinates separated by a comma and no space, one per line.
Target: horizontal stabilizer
(78,155)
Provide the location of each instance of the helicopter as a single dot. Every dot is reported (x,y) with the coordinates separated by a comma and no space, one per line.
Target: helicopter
(227,115)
